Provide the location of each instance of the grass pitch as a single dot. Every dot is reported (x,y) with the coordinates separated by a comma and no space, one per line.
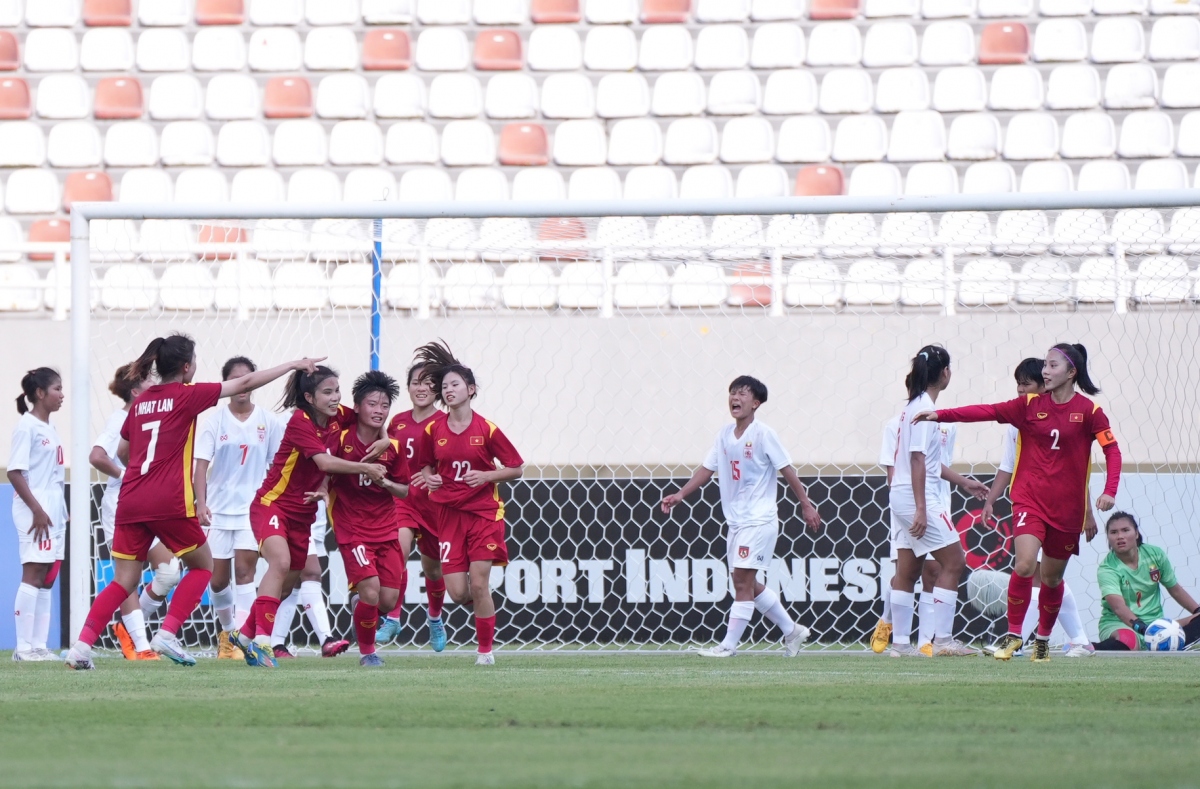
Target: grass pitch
(605,721)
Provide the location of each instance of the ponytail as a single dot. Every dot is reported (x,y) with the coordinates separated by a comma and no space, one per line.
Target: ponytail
(124,382)
(166,355)
(39,378)
(1076,354)
(927,367)
(299,384)
(438,361)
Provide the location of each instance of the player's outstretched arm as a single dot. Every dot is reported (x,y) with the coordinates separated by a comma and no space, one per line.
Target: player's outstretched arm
(1185,600)
(812,518)
(970,486)
(699,479)
(999,485)
(331,465)
(1008,412)
(254,380)
(100,461)
(1123,612)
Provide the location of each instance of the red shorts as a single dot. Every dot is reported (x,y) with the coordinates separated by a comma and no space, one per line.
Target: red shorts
(417,522)
(268,521)
(365,560)
(464,537)
(180,535)
(1056,543)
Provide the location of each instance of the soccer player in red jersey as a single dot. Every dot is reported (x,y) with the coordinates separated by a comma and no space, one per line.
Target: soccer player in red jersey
(415,512)
(157,499)
(1050,483)
(363,512)
(282,512)
(457,456)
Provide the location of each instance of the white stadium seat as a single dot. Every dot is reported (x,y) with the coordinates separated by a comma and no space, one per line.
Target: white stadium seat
(635,141)
(369,184)
(622,96)
(355,143)
(451,238)
(924,284)
(861,138)
(1131,86)
(901,90)
(612,12)
(965,231)
(642,286)
(343,96)
(872,282)
(539,183)
(187,143)
(985,283)
(1163,279)
(163,49)
(706,182)
(697,285)
(931,178)
(1047,177)
(651,183)
(905,235)
(948,44)
(505,239)
(762,180)
(300,286)
(794,235)
(553,48)
(1118,41)
(594,183)
(775,10)
(455,96)
(1101,176)
(332,49)
(849,235)
(31,191)
(511,96)
(722,10)
(130,144)
(444,49)
(1080,232)
(500,12)
(610,49)
(875,179)
(987,177)
(568,96)
(73,144)
(790,92)
(890,44)
(257,185)
(129,286)
(1147,134)
(947,9)
(275,49)
(815,283)
(875,9)
(1073,88)
(581,143)
(439,12)
(231,97)
(350,285)
(1031,135)
(400,96)
(1065,7)
(846,90)
(745,140)
(219,49)
(1089,135)
(581,286)
(392,12)
(145,185)
(665,48)
(734,93)
(679,237)
(412,142)
(1016,88)
(528,286)
(804,139)
(1100,280)
(332,12)
(176,97)
(313,185)
(959,89)
(300,143)
(52,13)
(63,97)
(51,49)
(276,12)
(201,185)
(1109,7)
(1175,39)
(690,141)
(835,44)
(106,49)
(1022,233)
(1189,135)
(167,13)
(1141,230)
(469,286)
(1181,86)
(1060,40)
(917,137)
(468,143)
(243,144)
(722,47)
(405,282)
(22,144)
(777,45)
(187,286)
(481,183)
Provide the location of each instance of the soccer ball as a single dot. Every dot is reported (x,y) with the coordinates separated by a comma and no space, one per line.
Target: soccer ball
(987,592)
(1164,635)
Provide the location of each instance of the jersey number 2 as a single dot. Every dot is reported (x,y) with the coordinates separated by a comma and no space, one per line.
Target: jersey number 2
(153,428)
(1054,434)
(735,470)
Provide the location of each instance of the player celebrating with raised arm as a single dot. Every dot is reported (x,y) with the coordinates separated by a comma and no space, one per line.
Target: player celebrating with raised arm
(39,509)
(457,456)
(1050,483)
(232,456)
(363,513)
(746,458)
(157,498)
(415,513)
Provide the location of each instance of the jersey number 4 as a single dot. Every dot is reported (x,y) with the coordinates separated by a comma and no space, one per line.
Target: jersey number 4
(735,470)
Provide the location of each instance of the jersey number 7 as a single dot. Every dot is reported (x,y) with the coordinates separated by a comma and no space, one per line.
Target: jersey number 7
(153,428)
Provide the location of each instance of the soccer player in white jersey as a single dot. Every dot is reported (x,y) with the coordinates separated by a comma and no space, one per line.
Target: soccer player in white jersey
(234,451)
(1029,380)
(746,458)
(39,509)
(922,524)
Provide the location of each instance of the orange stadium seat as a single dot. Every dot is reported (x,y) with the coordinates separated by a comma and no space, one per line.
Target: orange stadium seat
(1004,42)
(499,50)
(554,11)
(220,12)
(524,144)
(14,99)
(10,52)
(288,97)
(45,231)
(658,12)
(215,234)
(820,180)
(553,231)
(833,9)
(386,49)
(86,186)
(108,13)
(119,97)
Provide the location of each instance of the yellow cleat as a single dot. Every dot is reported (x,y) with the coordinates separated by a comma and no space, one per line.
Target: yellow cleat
(1041,651)
(926,650)
(881,637)
(226,649)
(1006,647)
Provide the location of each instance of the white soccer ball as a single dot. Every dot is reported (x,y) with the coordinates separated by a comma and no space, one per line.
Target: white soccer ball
(1164,635)
(987,592)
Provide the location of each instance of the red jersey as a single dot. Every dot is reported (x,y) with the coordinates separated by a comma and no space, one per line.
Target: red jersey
(161,431)
(293,472)
(358,510)
(407,432)
(1054,450)
(452,455)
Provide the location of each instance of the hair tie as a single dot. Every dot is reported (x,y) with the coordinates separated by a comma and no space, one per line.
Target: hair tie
(924,355)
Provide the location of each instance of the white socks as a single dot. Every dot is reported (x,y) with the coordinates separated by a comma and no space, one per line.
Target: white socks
(769,606)
(244,595)
(222,603)
(887,605)
(135,625)
(1068,615)
(945,601)
(41,619)
(149,605)
(739,616)
(902,616)
(312,596)
(925,618)
(1031,616)
(284,618)
(24,611)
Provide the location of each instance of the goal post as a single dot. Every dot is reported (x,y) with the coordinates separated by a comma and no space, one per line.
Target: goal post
(604,335)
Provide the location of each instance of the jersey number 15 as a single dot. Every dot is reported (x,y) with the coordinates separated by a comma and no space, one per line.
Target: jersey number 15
(735,470)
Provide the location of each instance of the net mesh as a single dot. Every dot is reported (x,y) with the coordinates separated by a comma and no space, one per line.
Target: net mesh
(603,347)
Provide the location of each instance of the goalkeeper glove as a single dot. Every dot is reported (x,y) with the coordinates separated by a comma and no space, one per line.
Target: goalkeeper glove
(1139,627)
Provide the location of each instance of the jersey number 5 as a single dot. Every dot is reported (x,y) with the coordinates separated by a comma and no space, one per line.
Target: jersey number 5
(153,428)
(736,470)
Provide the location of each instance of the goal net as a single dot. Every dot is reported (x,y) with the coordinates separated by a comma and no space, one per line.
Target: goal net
(604,345)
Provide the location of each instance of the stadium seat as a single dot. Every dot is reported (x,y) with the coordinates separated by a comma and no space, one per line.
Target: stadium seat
(948,44)
(86,186)
(1147,134)
(185,143)
(386,49)
(706,182)
(287,97)
(48,231)
(876,9)
(1175,39)
(679,237)
(1098,281)
(220,12)
(617,96)
(369,184)
(275,49)
(835,44)
(662,12)
(554,49)
(794,235)
(1060,40)
(722,47)
(1181,86)
(722,10)
(400,96)
(540,183)
(678,93)
(637,141)
(528,285)
(1103,176)
(15,103)
(73,144)
(960,89)
(776,10)
(734,93)
(442,12)
(1185,232)
(583,143)
(505,238)
(22,144)
(987,177)
(985,283)
(298,143)
(129,287)
(1009,8)
(405,282)
(594,183)
(902,90)
(562,238)
(243,144)
(524,144)
(554,11)
(860,138)
(412,142)
(1080,232)
(623,237)
(498,50)
(643,285)
(257,185)
(175,97)
(52,13)
(49,49)
(1022,233)
(846,90)
(1118,41)
(1189,135)
(276,12)
(1073,88)
(1031,135)
(107,49)
(300,286)
(746,140)
(610,49)
(1109,7)
(131,144)
(612,12)
(146,185)
(1004,43)
(1065,7)
(1162,280)
(108,13)
(697,285)
(968,232)
(917,137)
(833,9)
(815,283)
(481,183)
(820,180)
(118,98)
(905,235)
(872,283)
(848,235)
(356,143)
(502,12)
(455,96)
(114,239)
(219,49)
(10,52)
(1089,135)
(1047,177)
(651,183)
(63,97)
(278,239)
(931,178)
(1130,86)
(343,96)
(875,179)
(1141,230)
(666,48)
(762,180)
(1016,88)
(468,143)
(165,13)
(231,97)
(924,284)
(187,286)
(581,286)
(568,96)
(512,96)
(244,284)
(200,186)
(690,141)
(790,92)
(889,44)
(777,45)
(162,50)
(450,239)
(330,49)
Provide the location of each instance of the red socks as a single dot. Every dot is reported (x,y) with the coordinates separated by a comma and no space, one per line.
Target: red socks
(366,619)
(1019,591)
(395,612)
(1049,601)
(265,609)
(250,626)
(52,574)
(185,599)
(485,632)
(436,592)
(100,614)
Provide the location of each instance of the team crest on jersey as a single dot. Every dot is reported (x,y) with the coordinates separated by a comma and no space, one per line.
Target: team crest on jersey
(1076,417)
(748,450)
(223,438)
(442,442)
(1042,415)
(1155,573)
(476,441)
(401,426)
(743,551)
(347,449)
(491,546)
(262,433)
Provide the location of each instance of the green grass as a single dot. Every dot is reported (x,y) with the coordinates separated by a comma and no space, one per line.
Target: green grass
(605,721)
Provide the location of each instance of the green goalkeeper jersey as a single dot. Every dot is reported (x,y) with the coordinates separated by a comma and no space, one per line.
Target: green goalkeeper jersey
(1141,588)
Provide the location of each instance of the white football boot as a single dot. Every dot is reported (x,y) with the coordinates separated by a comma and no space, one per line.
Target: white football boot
(795,640)
(485,659)
(720,651)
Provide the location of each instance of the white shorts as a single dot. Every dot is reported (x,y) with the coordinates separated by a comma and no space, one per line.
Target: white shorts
(316,538)
(47,551)
(939,531)
(230,533)
(752,547)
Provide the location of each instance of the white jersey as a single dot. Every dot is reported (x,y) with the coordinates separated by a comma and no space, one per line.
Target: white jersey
(240,453)
(948,436)
(891,434)
(38,455)
(746,469)
(1009,461)
(109,439)
(920,437)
